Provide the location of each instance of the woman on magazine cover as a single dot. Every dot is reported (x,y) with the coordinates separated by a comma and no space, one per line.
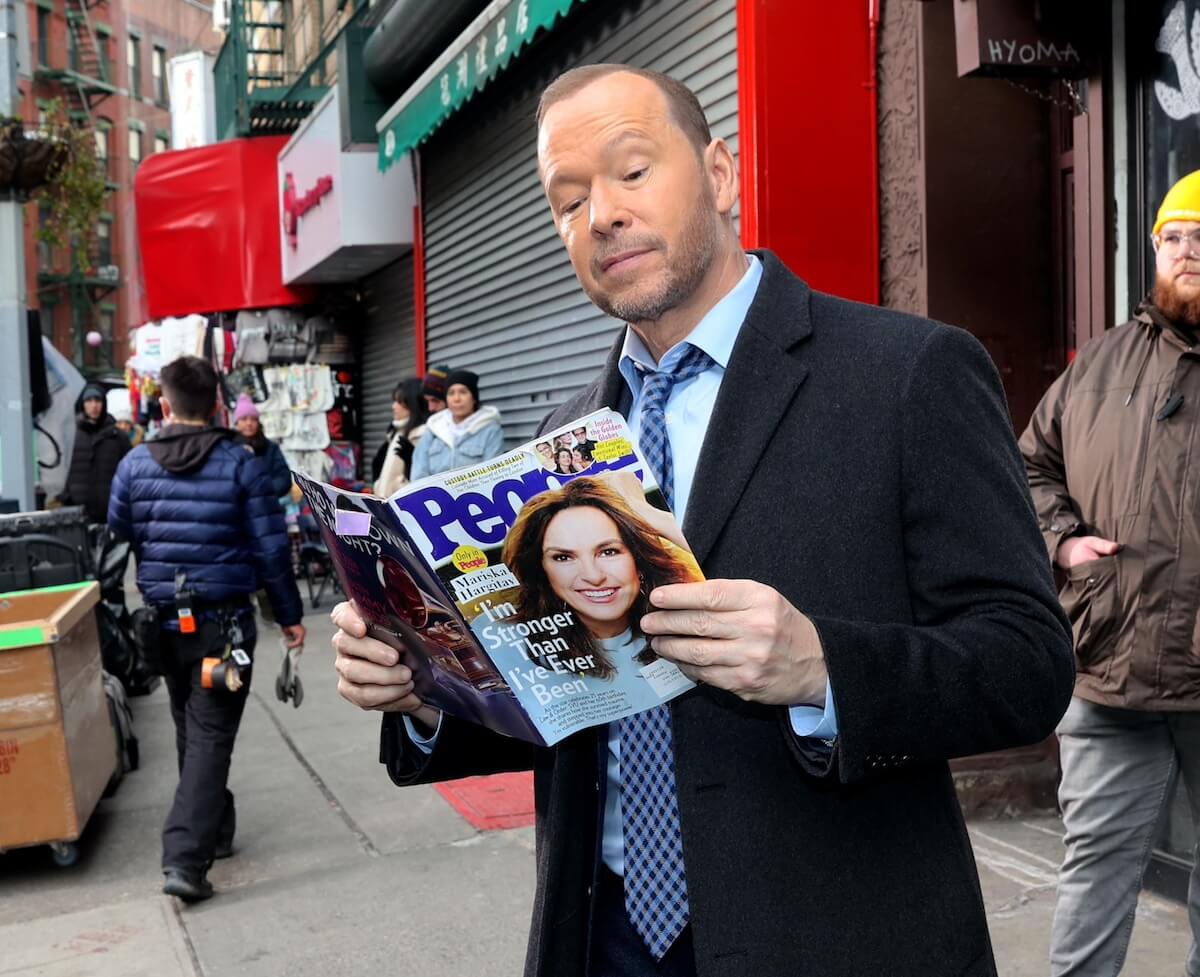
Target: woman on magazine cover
(563,463)
(595,549)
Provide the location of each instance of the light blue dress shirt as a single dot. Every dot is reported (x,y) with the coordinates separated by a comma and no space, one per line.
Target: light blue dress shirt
(688,411)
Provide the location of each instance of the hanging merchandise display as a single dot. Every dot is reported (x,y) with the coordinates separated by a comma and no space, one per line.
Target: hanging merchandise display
(305,402)
(253,345)
(276,357)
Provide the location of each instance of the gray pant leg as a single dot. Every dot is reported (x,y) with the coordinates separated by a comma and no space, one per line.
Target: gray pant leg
(1185,730)
(1119,769)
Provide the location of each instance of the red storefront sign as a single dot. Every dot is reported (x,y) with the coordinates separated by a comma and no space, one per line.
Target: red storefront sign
(208,229)
(294,207)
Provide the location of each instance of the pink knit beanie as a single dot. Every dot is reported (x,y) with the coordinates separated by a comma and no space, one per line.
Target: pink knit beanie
(245,408)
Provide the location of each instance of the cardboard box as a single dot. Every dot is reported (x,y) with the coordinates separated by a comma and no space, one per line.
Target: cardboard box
(58,749)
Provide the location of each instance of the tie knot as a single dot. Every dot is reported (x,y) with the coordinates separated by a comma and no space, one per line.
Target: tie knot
(657,384)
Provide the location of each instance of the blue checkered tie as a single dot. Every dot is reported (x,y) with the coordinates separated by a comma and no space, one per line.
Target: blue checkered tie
(655,885)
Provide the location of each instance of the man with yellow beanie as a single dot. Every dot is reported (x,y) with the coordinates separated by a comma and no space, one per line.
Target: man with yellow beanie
(1114,466)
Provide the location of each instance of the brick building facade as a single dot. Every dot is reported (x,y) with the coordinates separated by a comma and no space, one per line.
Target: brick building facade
(108,63)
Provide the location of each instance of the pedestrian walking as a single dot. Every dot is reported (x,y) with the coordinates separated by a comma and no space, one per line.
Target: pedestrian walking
(249,427)
(207,530)
(1110,462)
(466,433)
(877,599)
(99,448)
(393,460)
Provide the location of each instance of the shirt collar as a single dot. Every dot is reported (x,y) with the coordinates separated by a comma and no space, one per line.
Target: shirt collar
(715,333)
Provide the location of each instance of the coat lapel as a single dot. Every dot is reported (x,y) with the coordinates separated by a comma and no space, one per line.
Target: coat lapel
(765,370)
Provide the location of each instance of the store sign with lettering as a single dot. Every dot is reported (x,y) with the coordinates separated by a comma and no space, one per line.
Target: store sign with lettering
(294,205)
(1000,38)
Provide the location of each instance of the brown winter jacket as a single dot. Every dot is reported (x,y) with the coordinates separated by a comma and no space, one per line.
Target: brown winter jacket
(1103,460)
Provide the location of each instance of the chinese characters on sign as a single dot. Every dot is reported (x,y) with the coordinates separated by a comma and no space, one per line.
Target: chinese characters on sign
(495,42)
(193,121)
(473,61)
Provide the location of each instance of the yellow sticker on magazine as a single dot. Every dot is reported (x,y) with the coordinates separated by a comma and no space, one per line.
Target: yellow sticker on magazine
(468,558)
(612,450)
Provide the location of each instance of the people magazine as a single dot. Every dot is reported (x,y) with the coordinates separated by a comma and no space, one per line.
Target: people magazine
(515,589)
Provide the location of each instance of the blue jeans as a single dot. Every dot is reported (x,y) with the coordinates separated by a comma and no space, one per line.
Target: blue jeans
(1119,770)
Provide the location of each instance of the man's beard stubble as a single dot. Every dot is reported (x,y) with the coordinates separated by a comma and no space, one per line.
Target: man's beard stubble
(1184,311)
(686,268)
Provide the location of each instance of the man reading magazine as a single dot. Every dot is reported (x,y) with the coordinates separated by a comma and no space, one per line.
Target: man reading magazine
(878,598)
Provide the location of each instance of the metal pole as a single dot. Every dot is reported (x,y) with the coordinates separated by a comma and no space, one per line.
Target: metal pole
(16,420)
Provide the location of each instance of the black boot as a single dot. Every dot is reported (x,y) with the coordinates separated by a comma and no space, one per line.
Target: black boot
(187,885)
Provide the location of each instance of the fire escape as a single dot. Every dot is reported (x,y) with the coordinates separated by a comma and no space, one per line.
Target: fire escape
(256,95)
(83,83)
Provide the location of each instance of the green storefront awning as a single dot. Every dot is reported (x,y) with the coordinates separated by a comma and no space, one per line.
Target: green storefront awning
(477,56)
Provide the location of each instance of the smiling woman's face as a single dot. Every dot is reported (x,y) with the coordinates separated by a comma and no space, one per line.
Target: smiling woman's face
(591,569)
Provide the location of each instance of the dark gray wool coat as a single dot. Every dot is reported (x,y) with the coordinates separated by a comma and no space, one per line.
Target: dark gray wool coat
(861,462)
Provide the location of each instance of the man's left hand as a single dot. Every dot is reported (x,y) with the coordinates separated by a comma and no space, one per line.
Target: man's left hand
(740,636)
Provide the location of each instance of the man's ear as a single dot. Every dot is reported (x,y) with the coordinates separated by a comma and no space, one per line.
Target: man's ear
(165,404)
(720,170)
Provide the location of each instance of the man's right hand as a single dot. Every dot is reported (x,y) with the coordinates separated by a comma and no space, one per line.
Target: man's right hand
(1079,549)
(369,672)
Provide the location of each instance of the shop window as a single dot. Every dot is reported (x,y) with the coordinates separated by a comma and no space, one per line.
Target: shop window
(1169,104)
(133,58)
(158,70)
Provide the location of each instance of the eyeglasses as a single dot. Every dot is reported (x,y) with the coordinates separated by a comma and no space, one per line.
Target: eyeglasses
(1175,244)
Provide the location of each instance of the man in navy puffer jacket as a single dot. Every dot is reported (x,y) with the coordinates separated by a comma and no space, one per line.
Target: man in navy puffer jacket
(198,507)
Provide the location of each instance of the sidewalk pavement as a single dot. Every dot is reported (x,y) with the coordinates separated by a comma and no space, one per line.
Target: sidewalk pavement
(339,873)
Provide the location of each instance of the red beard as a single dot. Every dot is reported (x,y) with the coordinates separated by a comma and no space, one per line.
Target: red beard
(1180,310)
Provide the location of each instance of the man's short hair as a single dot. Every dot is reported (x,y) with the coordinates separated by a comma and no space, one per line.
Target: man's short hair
(684,107)
(190,386)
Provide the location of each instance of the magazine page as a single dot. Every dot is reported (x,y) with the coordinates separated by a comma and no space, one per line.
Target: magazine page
(406,606)
(549,553)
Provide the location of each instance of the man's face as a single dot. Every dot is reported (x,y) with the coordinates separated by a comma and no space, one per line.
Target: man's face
(434,404)
(630,197)
(93,408)
(1177,271)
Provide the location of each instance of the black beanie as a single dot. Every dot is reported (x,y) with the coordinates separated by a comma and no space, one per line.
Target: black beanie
(467,379)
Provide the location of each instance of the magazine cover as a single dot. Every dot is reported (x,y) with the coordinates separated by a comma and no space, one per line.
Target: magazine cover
(515,589)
